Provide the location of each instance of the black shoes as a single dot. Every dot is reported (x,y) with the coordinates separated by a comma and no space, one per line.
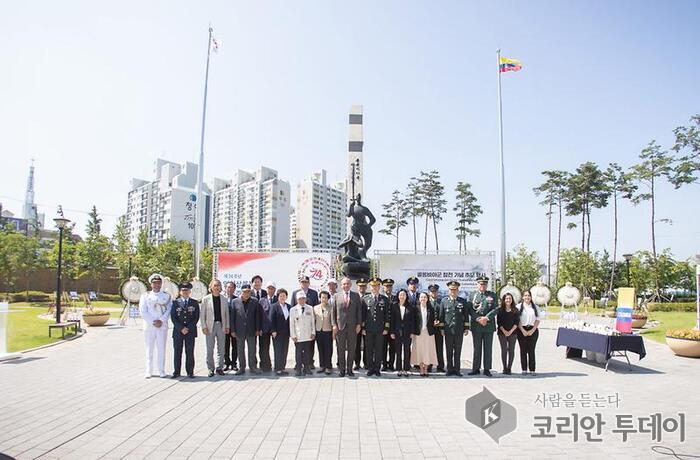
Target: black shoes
(220,371)
(351,374)
(473,373)
(227,367)
(298,373)
(239,372)
(440,369)
(341,374)
(321,371)
(370,373)
(488,373)
(175,376)
(356,368)
(190,376)
(329,371)
(308,371)
(211,373)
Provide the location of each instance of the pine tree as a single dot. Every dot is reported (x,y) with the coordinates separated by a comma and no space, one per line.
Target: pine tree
(467,211)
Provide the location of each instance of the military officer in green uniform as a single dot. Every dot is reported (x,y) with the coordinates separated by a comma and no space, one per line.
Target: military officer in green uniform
(484,306)
(453,319)
(375,325)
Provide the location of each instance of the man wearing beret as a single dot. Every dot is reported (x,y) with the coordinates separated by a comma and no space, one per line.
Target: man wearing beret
(185,315)
(435,299)
(389,345)
(360,344)
(375,325)
(484,306)
(453,317)
(154,307)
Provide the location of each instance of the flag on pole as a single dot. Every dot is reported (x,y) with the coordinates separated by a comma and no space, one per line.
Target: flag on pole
(509,65)
(215,45)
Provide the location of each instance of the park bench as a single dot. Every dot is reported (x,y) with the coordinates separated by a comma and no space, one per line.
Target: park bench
(63,327)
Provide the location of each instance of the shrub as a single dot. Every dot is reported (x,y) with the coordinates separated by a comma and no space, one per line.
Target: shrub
(688,334)
(110,297)
(671,306)
(31,296)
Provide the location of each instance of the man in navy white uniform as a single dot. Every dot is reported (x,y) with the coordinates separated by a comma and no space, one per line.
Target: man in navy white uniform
(154,307)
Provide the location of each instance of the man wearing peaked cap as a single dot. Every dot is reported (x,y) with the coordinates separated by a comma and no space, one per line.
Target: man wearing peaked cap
(311,300)
(389,345)
(154,307)
(453,317)
(246,326)
(185,315)
(484,307)
(375,325)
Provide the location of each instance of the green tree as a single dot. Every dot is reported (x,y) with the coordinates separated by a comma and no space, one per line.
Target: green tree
(395,213)
(655,165)
(553,190)
(433,203)
(12,248)
(206,258)
(70,267)
(122,249)
(620,185)
(94,253)
(523,267)
(687,166)
(414,205)
(586,191)
(144,259)
(468,212)
(580,268)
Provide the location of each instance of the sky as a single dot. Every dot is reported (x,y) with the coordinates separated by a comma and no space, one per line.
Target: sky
(95,91)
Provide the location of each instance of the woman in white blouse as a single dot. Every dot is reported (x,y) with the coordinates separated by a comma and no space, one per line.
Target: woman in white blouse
(424,353)
(528,331)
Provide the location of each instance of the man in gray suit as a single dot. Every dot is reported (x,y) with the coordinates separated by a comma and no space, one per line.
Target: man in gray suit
(246,327)
(346,319)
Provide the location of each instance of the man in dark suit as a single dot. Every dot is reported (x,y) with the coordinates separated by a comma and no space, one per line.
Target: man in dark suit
(231,353)
(360,347)
(256,291)
(412,284)
(346,318)
(311,300)
(266,337)
(246,326)
(389,345)
(185,315)
(435,300)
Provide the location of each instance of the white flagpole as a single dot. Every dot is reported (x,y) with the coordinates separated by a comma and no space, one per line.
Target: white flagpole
(502,171)
(199,210)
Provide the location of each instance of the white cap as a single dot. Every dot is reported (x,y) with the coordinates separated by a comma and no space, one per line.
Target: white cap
(301,294)
(332,281)
(271,284)
(155,275)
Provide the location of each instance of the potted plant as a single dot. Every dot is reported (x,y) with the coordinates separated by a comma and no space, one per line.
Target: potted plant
(95,317)
(639,319)
(684,342)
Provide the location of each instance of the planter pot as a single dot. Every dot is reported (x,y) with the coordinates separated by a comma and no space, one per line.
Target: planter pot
(96,320)
(684,347)
(638,323)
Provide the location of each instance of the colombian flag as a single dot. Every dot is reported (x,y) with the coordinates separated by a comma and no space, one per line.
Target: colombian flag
(509,65)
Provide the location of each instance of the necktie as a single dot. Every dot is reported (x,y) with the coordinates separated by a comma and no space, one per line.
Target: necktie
(347,300)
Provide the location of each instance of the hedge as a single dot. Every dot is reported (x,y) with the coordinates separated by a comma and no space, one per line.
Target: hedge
(672,306)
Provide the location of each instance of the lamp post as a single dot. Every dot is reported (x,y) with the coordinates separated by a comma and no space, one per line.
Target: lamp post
(628,257)
(61,223)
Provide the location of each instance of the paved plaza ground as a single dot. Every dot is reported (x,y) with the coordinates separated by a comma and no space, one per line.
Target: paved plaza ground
(88,399)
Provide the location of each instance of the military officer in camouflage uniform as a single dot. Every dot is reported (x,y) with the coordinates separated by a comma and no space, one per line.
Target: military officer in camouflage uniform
(388,347)
(375,325)
(360,342)
(483,310)
(453,318)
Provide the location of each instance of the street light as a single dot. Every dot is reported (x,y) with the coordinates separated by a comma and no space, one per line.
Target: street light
(61,223)
(628,257)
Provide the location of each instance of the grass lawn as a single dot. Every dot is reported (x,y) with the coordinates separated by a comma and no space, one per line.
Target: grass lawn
(26,330)
(669,320)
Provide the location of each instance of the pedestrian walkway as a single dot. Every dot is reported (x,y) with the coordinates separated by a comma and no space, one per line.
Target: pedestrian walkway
(88,399)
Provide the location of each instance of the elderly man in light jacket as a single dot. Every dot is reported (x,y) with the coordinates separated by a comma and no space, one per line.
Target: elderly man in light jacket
(302,330)
(214,320)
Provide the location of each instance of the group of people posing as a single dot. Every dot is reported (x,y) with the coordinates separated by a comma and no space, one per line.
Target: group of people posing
(376,328)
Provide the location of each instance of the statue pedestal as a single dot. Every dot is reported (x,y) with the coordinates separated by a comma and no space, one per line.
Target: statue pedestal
(4,355)
(356,270)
